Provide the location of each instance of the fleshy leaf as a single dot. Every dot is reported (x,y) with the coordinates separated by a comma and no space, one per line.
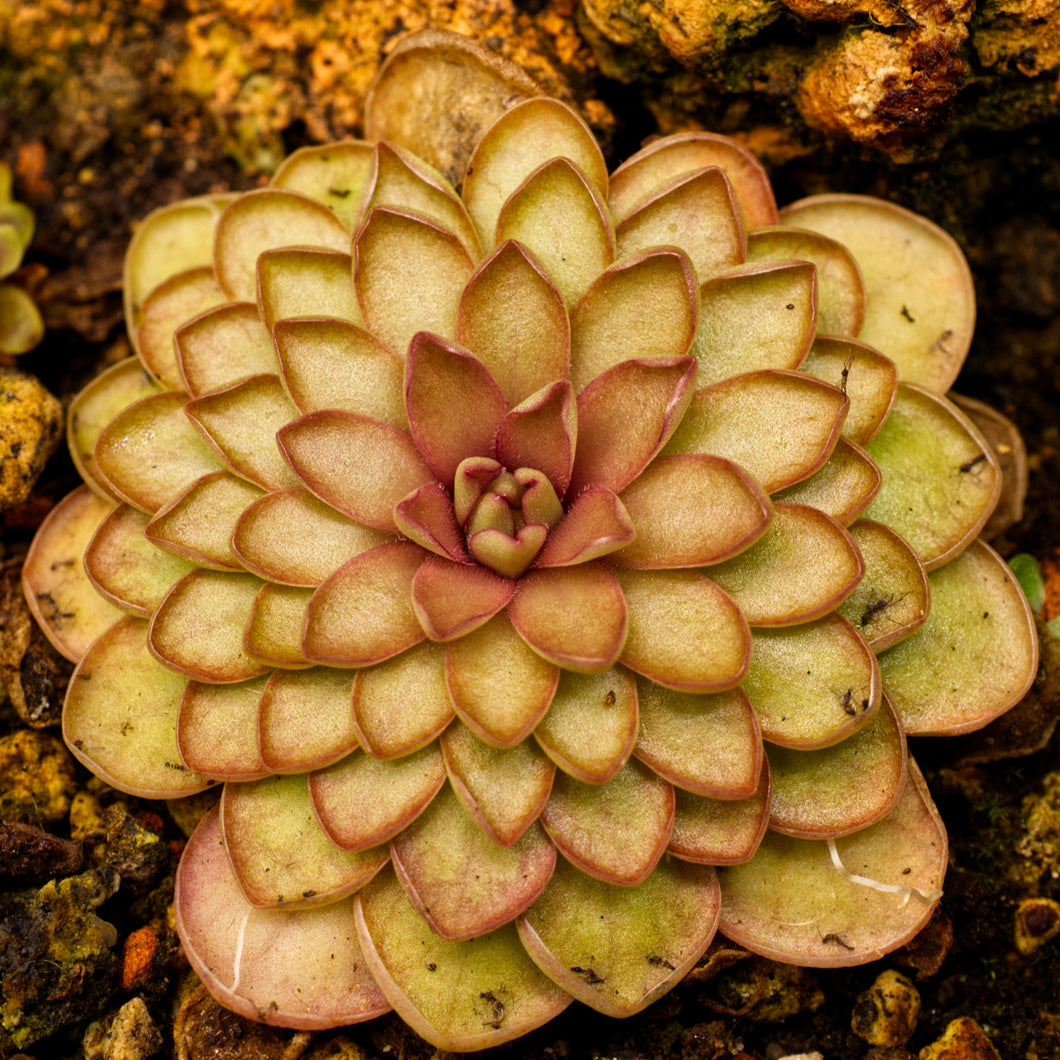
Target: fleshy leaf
(265,219)
(402,704)
(332,364)
(150,453)
(843,788)
(279,853)
(120,386)
(540,433)
(842,489)
(513,319)
(453,404)
(920,304)
(618,317)
(358,465)
(974,657)
(217,730)
(333,174)
(263,964)
(791,902)
(451,599)
(437,91)
(941,480)
(595,525)
(499,686)
(462,995)
(591,725)
(1003,436)
(120,716)
(840,288)
(667,159)
(199,524)
(574,617)
(801,568)
(778,426)
(684,631)
(690,510)
(721,831)
(401,180)
(169,240)
(696,212)
(563,223)
(361,802)
(293,538)
(198,629)
(305,719)
(126,567)
(675,727)
(893,598)
(867,378)
(222,347)
(54,581)
(241,422)
(812,685)
(181,297)
(524,138)
(273,634)
(363,613)
(615,831)
(460,881)
(763,316)
(306,282)
(625,416)
(618,949)
(504,789)
(409,274)
(426,517)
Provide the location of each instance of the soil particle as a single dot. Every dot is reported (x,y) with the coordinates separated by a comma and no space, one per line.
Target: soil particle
(205,1031)
(56,964)
(1037,921)
(27,851)
(963,1040)
(887,1012)
(130,1034)
(37,779)
(31,425)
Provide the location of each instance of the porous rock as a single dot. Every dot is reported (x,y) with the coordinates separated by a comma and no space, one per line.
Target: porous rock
(887,1012)
(31,424)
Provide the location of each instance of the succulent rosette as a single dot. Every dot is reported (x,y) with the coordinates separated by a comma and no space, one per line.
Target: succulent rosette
(550,571)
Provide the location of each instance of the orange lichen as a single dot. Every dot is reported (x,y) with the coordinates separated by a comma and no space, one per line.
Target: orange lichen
(137,957)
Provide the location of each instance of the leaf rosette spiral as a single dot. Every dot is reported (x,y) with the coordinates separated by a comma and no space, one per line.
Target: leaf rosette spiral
(551,571)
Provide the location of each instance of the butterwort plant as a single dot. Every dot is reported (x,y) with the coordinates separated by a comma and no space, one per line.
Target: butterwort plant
(549,563)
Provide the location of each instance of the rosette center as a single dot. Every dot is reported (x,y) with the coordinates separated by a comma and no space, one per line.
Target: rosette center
(505,515)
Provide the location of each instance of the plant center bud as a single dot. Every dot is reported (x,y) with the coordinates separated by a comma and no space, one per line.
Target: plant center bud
(505,515)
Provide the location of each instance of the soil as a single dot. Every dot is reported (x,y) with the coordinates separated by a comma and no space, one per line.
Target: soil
(103,116)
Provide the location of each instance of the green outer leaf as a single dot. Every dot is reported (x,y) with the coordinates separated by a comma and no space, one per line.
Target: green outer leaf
(120,717)
(941,480)
(919,299)
(790,903)
(462,996)
(974,657)
(843,788)
(618,949)
(279,852)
